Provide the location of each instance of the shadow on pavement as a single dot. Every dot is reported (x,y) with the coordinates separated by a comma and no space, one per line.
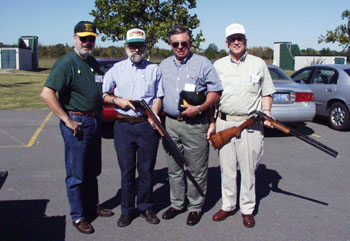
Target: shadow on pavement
(161,195)
(26,220)
(3,176)
(267,180)
(214,188)
(298,127)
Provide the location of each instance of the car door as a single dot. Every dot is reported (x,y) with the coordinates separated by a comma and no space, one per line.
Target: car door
(323,83)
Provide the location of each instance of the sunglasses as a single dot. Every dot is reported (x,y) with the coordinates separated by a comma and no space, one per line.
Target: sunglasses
(91,39)
(183,44)
(239,39)
(140,47)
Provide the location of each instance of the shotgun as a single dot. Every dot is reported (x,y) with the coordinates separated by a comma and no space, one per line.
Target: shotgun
(278,125)
(178,156)
(224,136)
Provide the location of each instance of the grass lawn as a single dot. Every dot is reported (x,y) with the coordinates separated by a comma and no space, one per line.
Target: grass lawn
(20,90)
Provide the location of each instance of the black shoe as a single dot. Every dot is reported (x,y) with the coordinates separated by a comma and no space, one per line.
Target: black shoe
(150,216)
(171,213)
(193,218)
(125,220)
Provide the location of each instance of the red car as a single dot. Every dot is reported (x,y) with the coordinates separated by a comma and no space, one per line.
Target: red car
(109,114)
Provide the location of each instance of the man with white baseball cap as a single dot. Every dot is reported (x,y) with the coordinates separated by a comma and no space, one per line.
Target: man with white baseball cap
(135,138)
(247,88)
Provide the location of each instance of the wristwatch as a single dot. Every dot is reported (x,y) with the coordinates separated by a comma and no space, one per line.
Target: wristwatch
(199,109)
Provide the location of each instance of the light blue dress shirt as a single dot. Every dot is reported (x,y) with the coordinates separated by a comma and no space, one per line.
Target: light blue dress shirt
(195,70)
(137,82)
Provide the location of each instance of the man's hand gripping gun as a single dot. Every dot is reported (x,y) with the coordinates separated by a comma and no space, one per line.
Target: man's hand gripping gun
(224,136)
(178,156)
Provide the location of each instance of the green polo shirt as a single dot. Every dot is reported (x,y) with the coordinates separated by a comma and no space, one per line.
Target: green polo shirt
(74,79)
(244,83)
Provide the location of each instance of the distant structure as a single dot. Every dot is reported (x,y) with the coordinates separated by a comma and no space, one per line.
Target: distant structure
(24,57)
(289,57)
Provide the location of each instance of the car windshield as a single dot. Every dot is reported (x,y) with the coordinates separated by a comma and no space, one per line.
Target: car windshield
(277,74)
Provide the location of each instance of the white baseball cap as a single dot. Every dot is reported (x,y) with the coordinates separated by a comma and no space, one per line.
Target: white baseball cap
(135,35)
(235,28)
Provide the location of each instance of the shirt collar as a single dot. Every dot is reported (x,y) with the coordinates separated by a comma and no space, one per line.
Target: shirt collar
(242,59)
(185,59)
(136,65)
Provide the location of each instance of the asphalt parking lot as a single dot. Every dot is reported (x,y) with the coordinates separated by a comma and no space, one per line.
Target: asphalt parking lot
(302,193)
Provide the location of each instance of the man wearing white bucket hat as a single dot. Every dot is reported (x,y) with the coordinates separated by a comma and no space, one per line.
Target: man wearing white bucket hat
(247,88)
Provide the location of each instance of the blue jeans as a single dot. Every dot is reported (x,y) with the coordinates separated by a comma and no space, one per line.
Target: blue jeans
(83,165)
(136,146)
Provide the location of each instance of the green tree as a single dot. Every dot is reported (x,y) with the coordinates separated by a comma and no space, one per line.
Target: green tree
(309,51)
(211,52)
(222,53)
(114,18)
(341,34)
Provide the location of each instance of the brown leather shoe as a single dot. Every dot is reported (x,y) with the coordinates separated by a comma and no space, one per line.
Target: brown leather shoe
(171,213)
(83,226)
(248,220)
(222,215)
(102,212)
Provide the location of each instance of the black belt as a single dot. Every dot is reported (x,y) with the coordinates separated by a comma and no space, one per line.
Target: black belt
(184,118)
(226,117)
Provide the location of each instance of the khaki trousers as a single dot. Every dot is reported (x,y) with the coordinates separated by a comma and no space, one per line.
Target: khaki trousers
(245,152)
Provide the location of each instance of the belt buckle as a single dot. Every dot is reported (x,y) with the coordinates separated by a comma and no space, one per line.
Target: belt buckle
(132,120)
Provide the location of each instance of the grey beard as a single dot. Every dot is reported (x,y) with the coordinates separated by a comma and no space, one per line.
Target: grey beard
(136,58)
(83,53)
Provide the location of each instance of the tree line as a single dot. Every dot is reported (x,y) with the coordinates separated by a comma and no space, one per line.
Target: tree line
(211,52)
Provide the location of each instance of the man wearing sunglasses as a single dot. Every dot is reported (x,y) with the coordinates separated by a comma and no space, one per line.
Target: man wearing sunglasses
(247,88)
(79,108)
(191,89)
(135,137)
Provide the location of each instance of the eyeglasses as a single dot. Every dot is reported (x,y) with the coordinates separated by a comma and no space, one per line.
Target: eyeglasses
(140,47)
(239,39)
(91,39)
(183,44)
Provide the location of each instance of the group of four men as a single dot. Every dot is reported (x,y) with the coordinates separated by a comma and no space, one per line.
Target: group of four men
(236,86)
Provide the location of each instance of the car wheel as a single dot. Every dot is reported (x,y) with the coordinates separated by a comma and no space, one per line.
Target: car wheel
(339,117)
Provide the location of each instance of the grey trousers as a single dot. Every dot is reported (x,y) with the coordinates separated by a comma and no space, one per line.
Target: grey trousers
(190,138)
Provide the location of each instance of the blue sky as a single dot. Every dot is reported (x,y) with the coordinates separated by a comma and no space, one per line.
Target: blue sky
(266,21)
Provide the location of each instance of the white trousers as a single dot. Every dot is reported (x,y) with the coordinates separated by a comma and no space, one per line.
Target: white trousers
(245,152)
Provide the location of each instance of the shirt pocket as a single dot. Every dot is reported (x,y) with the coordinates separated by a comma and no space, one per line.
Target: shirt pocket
(253,83)
(150,88)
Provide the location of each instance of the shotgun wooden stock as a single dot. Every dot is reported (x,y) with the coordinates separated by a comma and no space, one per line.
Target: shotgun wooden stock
(224,136)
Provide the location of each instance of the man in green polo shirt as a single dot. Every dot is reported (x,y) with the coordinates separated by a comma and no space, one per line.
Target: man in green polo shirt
(79,108)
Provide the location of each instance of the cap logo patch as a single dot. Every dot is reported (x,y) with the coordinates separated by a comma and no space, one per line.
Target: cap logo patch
(88,27)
